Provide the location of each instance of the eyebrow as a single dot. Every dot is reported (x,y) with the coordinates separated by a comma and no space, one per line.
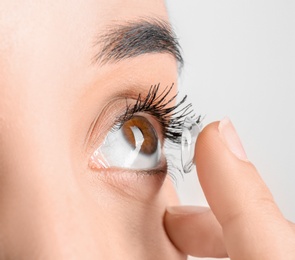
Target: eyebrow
(134,38)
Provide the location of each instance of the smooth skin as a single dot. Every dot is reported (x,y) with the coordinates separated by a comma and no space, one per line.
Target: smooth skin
(52,204)
(244,222)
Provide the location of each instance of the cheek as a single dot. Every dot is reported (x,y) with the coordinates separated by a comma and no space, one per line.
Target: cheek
(133,223)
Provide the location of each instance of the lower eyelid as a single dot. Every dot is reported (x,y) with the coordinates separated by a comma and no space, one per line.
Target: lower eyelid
(119,106)
(142,185)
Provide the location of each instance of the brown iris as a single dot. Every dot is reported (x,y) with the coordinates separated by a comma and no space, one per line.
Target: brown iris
(150,143)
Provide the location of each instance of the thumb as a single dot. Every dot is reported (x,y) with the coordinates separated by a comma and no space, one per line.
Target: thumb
(252,225)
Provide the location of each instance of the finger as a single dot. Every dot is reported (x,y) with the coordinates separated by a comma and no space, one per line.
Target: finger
(252,224)
(195,231)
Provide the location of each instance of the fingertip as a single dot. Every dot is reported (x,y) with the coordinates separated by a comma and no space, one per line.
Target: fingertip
(238,197)
(225,178)
(205,140)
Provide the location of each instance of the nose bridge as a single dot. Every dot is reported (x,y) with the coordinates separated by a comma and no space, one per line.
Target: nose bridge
(42,207)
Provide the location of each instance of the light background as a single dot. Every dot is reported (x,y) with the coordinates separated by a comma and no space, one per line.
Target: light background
(240,62)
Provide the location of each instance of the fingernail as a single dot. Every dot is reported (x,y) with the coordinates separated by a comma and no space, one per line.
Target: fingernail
(231,138)
(186,210)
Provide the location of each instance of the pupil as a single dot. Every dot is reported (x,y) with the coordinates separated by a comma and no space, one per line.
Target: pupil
(150,143)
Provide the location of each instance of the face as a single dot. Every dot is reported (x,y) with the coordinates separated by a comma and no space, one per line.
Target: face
(82,171)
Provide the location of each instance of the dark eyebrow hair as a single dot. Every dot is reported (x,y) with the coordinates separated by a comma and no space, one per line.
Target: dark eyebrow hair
(134,38)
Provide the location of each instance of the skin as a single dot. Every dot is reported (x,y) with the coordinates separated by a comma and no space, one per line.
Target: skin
(244,222)
(52,204)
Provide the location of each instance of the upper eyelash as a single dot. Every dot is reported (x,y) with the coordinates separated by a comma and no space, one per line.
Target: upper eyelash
(155,103)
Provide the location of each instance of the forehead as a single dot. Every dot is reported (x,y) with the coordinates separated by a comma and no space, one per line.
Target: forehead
(32,20)
(47,49)
(55,35)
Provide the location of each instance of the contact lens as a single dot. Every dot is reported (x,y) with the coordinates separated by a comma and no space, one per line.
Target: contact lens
(190,131)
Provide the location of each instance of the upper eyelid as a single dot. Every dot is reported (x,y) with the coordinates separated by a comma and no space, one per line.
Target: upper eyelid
(152,102)
(129,92)
(158,103)
(111,111)
(100,125)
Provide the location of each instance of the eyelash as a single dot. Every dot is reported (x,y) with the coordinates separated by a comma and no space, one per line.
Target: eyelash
(155,104)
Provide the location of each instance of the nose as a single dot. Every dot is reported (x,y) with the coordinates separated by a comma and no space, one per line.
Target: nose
(44,212)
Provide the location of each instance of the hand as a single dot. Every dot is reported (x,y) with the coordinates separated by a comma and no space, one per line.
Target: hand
(244,222)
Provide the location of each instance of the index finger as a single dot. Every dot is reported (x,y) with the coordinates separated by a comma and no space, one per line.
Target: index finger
(253,227)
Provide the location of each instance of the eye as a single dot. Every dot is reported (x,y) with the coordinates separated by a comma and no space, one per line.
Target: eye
(135,145)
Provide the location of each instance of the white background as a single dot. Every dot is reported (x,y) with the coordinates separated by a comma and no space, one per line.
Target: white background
(240,62)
